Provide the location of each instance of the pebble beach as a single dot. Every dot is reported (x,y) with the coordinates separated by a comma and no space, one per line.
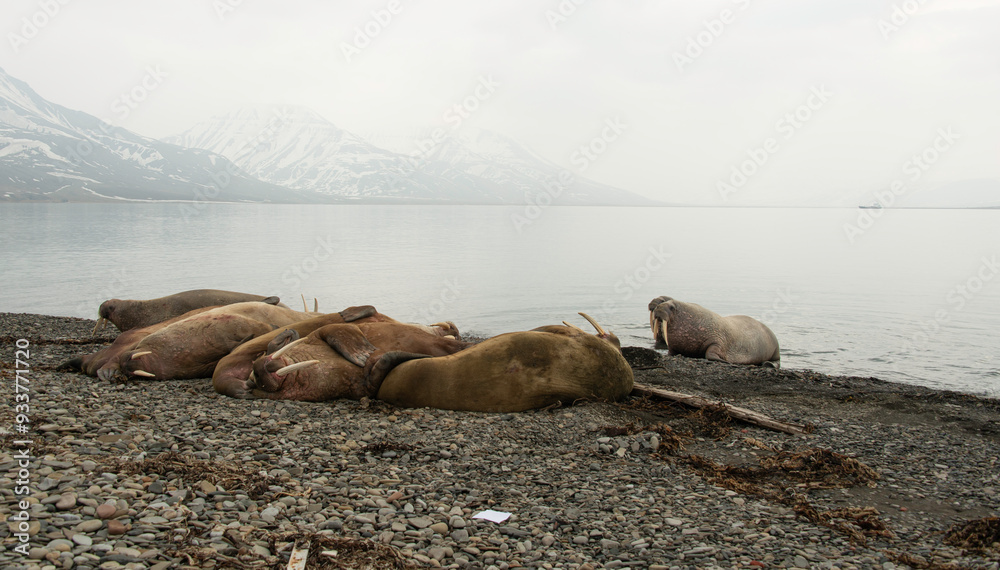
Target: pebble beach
(170,474)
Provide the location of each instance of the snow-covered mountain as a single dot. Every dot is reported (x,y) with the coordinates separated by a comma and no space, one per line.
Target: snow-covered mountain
(296,148)
(49,152)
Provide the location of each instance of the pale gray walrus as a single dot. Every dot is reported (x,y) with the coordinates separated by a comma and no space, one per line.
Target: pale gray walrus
(127,314)
(691,330)
(512,372)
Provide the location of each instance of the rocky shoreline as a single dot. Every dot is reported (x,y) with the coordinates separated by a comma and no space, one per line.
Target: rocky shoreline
(170,474)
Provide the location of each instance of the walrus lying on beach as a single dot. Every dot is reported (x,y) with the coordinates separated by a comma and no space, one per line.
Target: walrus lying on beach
(691,330)
(511,372)
(127,314)
(104,362)
(231,373)
(329,363)
(190,346)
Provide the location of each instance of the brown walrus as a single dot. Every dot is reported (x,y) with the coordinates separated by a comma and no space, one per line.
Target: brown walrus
(104,362)
(691,330)
(127,314)
(231,373)
(330,362)
(191,347)
(187,346)
(510,373)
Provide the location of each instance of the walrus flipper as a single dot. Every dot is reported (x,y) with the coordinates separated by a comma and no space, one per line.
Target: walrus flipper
(378,368)
(349,342)
(352,314)
(283,338)
(272,300)
(75,363)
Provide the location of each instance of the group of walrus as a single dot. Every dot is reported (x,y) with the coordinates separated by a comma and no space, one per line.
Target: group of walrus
(254,346)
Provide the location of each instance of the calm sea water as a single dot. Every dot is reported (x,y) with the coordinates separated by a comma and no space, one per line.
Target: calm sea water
(913,298)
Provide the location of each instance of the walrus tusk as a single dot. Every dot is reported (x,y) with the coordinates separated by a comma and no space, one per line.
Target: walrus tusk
(282,350)
(143,353)
(315,305)
(305,307)
(572,326)
(600,330)
(99,325)
(143,373)
(293,367)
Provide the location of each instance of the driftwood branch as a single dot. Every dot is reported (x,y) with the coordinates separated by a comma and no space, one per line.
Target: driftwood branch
(742,414)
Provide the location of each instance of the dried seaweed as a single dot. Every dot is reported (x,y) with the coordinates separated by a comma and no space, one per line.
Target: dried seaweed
(670,441)
(812,469)
(224,473)
(339,553)
(977,535)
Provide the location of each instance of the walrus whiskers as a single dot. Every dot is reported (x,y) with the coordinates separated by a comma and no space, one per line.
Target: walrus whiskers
(143,353)
(590,319)
(143,373)
(282,350)
(293,367)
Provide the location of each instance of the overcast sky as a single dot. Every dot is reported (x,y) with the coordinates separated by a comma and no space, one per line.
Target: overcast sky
(828,100)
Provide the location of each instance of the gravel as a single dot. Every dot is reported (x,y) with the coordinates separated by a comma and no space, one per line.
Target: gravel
(170,474)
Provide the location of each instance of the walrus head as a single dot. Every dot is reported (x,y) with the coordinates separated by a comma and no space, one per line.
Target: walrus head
(104,313)
(659,316)
(269,370)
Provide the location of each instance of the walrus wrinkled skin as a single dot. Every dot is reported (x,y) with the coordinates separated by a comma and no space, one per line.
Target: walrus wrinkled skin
(188,346)
(691,330)
(127,314)
(104,362)
(511,372)
(231,374)
(330,362)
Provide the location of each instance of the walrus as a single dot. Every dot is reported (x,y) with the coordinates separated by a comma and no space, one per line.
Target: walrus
(511,372)
(330,362)
(233,371)
(127,314)
(691,330)
(191,347)
(104,362)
